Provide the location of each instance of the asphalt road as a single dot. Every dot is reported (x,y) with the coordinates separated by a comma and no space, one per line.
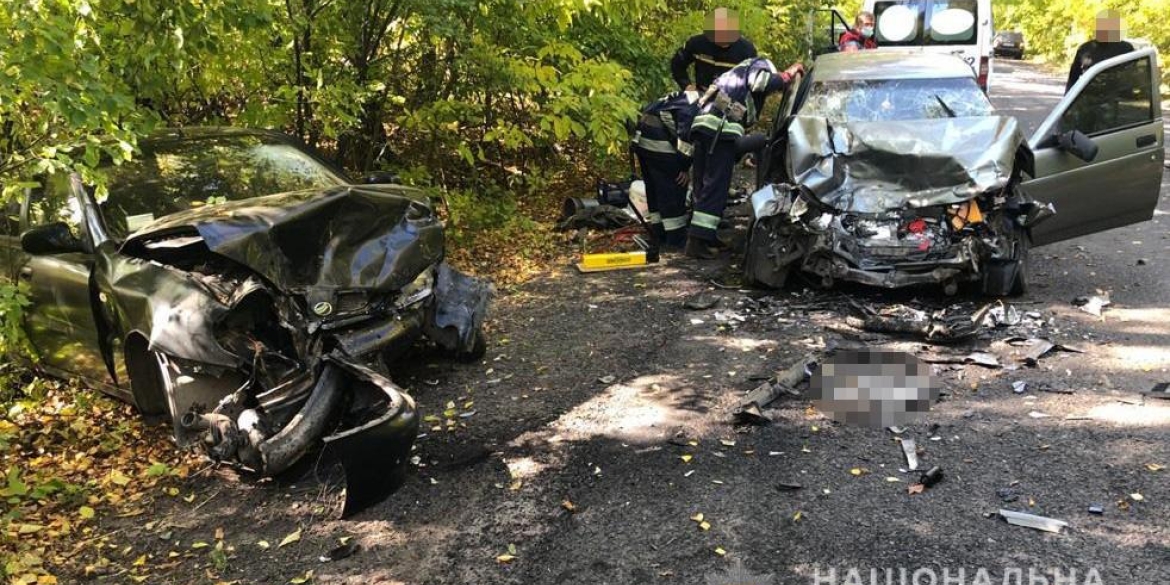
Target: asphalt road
(599,426)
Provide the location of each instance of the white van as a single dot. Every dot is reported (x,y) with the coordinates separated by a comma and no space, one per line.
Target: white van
(957,27)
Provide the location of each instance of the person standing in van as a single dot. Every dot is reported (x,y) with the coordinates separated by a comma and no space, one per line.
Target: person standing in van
(1106,45)
(719,48)
(861,36)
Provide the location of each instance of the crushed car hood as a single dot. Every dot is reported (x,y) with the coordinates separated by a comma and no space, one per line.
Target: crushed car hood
(874,167)
(351,237)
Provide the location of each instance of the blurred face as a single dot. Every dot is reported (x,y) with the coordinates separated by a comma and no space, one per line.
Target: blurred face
(723,27)
(1108,28)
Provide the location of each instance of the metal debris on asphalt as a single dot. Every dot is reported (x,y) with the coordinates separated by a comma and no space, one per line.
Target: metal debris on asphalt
(1007,495)
(1092,305)
(910,450)
(932,477)
(701,302)
(752,415)
(1160,390)
(341,552)
(946,325)
(784,382)
(979,358)
(1032,521)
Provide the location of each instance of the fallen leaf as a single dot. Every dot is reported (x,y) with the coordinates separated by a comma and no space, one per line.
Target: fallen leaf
(505,558)
(263,544)
(291,538)
(1155,467)
(569,505)
(719,551)
(727,442)
(1137,497)
(916,489)
(686,458)
(797,516)
(893,480)
(119,478)
(199,544)
(858,471)
(306,578)
(85,512)
(697,517)
(219,533)
(704,526)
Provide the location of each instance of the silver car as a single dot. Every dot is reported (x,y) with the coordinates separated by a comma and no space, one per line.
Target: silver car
(894,169)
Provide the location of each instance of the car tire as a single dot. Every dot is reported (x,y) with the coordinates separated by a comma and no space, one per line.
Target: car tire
(478,348)
(145,370)
(1020,284)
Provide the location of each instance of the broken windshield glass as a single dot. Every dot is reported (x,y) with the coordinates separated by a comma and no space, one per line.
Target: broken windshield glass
(887,100)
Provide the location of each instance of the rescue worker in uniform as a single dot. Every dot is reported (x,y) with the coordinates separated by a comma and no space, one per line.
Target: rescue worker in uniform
(860,36)
(718,49)
(662,145)
(726,110)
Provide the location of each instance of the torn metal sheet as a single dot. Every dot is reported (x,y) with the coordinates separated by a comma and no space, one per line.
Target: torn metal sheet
(979,358)
(943,326)
(1092,305)
(873,167)
(1029,350)
(1033,521)
(1160,390)
(910,450)
(370,237)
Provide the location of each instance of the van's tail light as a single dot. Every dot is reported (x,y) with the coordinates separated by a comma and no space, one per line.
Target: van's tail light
(984,69)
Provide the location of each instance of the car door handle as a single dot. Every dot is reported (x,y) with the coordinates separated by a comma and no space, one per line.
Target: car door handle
(26,273)
(1146,140)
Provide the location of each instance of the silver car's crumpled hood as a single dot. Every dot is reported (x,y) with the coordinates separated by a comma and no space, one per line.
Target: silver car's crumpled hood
(872,167)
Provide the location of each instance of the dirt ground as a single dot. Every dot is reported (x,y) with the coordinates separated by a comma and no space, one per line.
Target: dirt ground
(600,423)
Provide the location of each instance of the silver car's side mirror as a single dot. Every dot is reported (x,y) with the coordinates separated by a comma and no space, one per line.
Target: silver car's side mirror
(1077,144)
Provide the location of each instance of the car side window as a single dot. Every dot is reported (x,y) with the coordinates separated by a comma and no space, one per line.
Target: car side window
(53,202)
(1119,97)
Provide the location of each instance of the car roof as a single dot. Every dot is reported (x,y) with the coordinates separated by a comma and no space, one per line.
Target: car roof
(889,64)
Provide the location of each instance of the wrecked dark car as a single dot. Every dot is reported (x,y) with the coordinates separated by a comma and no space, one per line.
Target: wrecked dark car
(892,169)
(232,282)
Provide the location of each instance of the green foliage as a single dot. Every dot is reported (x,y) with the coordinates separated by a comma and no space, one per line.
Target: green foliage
(13,300)
(1054,29)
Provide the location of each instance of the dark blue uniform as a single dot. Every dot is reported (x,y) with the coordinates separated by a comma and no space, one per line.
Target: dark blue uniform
(727,109)
(710,59)
(662,145)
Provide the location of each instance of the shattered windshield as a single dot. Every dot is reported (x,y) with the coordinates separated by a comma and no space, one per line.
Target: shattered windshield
(174,176)
(886,100)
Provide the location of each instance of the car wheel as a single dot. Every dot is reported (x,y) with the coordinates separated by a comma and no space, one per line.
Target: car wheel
(1020,284)
(148,384)
(760,270)
(477,350)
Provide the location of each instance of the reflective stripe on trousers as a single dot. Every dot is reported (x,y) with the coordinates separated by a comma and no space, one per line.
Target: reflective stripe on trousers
(712,177)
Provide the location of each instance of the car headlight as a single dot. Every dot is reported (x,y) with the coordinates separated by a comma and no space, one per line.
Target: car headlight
(417,290)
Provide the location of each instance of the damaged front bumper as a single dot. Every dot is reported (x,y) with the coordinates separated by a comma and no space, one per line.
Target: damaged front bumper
(939,245)
(326,384)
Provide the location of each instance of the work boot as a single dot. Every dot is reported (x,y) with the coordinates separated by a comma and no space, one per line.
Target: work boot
(699,249)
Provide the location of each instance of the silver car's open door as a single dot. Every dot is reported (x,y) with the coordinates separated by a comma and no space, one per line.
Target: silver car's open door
(1115,107)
